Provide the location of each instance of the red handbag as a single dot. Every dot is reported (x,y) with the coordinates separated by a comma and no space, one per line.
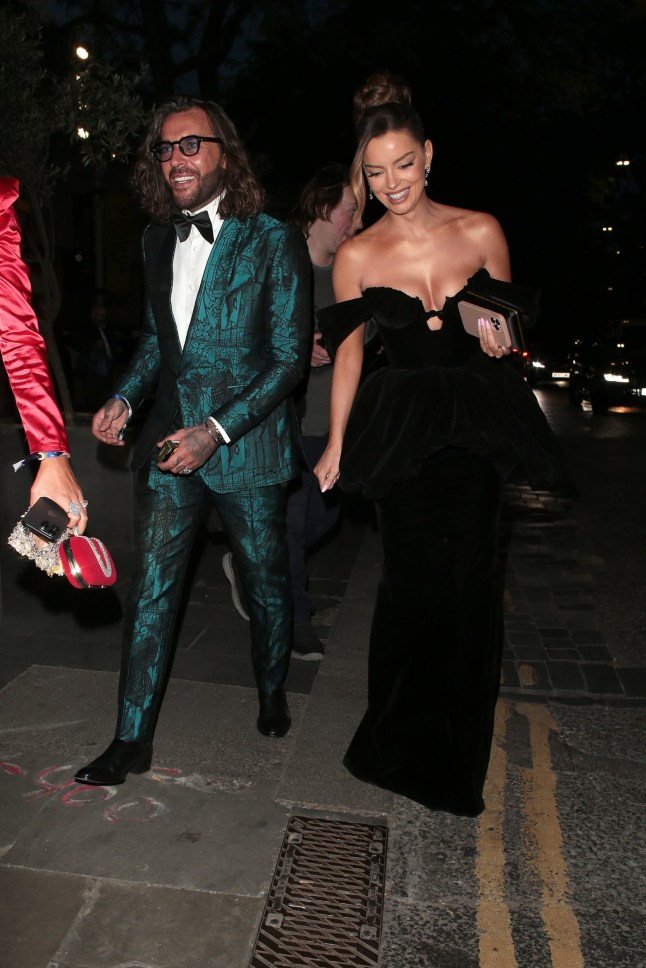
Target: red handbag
(86,562)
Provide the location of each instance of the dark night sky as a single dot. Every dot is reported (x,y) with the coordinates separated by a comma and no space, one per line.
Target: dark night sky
(526,108)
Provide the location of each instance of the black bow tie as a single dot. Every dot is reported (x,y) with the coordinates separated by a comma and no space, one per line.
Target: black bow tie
(201,221)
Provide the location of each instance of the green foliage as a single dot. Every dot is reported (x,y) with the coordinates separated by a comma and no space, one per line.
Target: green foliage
(38,103)
(29,104)
(102,102)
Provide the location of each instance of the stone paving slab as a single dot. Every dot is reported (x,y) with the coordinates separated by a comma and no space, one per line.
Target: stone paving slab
(169,830)
(48,905)
(553,643)
(75,922)
(67,715)
(315,775)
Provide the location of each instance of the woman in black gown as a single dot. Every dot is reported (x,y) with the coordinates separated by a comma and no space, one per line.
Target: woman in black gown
(431,437)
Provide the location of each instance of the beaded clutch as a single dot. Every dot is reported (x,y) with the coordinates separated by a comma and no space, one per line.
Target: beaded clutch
(47,557)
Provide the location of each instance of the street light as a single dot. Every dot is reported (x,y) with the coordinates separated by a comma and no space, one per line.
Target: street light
(82,52)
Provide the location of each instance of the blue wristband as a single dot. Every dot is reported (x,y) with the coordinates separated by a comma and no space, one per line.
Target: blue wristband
(40,455)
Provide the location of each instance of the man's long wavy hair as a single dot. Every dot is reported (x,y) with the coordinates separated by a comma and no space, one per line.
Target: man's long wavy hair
(243,194)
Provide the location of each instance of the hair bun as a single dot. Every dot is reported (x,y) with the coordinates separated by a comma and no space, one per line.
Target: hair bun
(382,87)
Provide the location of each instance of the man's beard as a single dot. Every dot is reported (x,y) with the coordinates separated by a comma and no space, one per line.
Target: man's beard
(207,187)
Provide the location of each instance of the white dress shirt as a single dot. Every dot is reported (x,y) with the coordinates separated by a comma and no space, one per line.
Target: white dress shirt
(189,263)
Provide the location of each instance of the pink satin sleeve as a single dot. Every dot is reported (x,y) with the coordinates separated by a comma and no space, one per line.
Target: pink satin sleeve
(21,344)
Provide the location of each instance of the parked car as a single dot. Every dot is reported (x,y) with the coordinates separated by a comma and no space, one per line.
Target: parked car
(548,366)
(521,360)
(610,372)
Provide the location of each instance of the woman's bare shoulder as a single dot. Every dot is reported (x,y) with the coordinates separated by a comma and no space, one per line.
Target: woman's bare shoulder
(357,250)
(466,219)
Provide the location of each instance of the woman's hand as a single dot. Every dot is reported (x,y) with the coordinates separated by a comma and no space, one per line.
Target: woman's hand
(488,340)
(55,480)
(327,469)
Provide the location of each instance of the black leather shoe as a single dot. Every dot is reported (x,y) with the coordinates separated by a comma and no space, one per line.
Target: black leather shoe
(114,765)
(273,718)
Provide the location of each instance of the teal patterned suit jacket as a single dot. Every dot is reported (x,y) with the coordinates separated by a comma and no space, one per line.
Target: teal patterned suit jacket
(246,349)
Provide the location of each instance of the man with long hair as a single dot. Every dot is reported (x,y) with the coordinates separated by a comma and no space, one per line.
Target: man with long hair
(223,344)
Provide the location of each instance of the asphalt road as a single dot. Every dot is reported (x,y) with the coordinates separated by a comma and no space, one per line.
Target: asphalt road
(606,454)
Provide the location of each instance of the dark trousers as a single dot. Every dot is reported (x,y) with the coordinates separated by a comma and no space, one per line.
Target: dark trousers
(169,512)
(310,515)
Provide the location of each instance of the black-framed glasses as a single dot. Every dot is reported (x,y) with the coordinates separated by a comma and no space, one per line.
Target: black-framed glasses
(188,145)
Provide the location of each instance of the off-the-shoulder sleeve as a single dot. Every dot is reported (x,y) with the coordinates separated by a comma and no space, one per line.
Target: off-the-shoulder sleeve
(341,319)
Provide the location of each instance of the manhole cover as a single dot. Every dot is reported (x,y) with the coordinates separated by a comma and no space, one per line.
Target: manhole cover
(325,904)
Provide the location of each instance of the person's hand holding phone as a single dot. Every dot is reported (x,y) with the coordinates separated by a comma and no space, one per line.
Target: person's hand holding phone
(46,520)
(55,480)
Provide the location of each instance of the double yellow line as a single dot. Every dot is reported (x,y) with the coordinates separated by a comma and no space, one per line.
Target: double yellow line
(543,846)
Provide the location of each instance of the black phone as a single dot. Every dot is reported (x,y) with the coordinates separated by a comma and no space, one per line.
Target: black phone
(47,519)
(167,448)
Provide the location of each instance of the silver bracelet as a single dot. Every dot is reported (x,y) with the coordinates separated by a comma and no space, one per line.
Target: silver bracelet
(214,433)
(119,396)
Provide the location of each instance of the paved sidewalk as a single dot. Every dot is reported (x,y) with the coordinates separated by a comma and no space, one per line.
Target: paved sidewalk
(554,647)
(172,869)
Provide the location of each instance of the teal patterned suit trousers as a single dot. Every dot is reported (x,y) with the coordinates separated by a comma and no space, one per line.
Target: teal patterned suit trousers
(170,511)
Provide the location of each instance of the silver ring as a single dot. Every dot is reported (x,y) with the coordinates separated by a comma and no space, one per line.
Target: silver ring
(185,470)
(74,507)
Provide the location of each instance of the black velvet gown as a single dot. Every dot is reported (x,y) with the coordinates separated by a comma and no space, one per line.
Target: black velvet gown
(431,436)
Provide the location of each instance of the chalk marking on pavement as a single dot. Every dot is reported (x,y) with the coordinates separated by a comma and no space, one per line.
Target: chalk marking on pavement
(494,922)
(544,831)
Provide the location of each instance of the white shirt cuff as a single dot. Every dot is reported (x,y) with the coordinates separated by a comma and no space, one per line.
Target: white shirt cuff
(220,429)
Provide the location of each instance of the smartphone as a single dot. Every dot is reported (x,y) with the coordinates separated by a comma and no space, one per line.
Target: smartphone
(167,448)
(506,325)
(47,519)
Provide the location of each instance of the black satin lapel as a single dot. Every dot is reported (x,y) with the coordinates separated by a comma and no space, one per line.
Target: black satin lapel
(160,248)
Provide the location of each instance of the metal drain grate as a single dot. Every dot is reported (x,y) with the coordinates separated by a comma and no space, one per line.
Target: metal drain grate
(325,903)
